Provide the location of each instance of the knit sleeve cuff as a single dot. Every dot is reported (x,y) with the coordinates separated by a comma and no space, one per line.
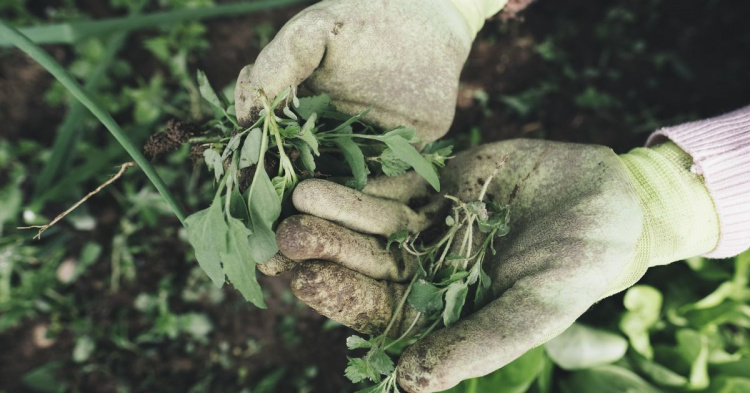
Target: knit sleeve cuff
(720,148)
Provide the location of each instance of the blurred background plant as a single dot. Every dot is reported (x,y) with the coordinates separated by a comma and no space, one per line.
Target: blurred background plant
(111,299)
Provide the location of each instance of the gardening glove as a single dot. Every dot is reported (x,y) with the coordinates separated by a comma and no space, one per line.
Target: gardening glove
(584,224)
(404,57)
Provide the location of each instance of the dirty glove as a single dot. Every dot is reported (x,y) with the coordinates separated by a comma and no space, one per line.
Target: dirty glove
(585,224)
(402,56)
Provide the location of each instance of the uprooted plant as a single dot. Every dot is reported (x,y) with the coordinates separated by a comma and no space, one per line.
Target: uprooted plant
(293,138)
(448,271)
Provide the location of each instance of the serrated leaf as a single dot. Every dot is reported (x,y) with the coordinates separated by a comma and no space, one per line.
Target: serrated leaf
(239,264)
(356,160)
(455,297)
(392,165)
(207,231)
(359,370)
(290,131)
(207,92)
(380,361)
(398,238)
(354,342)
(316,104)
(407,153)
(250,153)
(425,297)
(214,162)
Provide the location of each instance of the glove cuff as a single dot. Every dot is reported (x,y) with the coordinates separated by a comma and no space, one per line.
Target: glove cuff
(680,217)
(720,151)
(475,12)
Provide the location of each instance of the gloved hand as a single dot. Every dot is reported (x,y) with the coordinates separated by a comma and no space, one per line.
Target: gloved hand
(585,224)
(402,56)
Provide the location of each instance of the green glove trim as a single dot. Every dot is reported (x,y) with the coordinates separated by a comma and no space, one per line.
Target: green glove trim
(475,12)
(680,217)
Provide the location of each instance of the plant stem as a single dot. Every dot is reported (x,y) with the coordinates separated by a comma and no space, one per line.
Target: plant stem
(399,308)
(54,68)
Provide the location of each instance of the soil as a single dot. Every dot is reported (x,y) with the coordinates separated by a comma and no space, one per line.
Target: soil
(652,89)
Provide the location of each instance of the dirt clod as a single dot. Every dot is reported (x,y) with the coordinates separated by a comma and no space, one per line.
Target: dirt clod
(169,140)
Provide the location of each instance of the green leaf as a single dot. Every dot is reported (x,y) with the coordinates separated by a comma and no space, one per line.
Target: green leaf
(239,264)
(399,237)
(265,207)
(207,234)
(515,377)
(356,160)
(644,305)
(305,155)
(455,298)
(425,297)
(313,105)
(207,92)
(279,185)
(694,348)
(354,342)
(250,153)
(238,206)
(407,153)
(392,165)
(408,133)
(607,379)
(380,361)
(351,121)
(658,373)
(580,347)
(306,134)
(290,131)
(214,162)
(359,370)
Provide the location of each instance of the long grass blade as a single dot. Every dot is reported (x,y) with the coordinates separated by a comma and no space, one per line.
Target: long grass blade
(53,67)
(69,33)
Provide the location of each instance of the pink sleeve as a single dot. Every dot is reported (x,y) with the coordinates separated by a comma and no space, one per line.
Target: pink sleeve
(720,148)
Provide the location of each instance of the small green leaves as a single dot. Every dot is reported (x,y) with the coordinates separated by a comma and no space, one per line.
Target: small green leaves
(425,297)
(392,165)
(355,342)
(399,238)
(207,233)
(356,160)
(313,105)
(359,369)
(371,366)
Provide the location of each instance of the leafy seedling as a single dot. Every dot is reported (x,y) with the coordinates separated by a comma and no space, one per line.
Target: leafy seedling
(293,139)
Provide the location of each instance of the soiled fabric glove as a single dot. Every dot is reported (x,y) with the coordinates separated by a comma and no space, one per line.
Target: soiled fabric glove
(585,224)
(402,56)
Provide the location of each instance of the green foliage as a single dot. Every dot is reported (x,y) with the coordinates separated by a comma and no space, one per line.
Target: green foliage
(439,289)
(233,150)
